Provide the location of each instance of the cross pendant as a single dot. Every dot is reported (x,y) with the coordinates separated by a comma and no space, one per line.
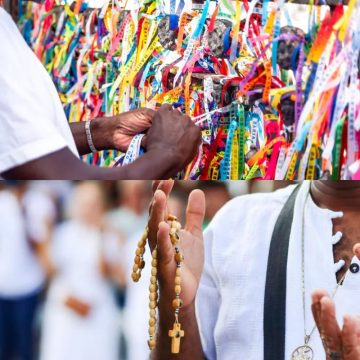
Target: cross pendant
(176,334)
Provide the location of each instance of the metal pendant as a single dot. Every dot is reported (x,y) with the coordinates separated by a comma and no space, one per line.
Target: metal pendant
(304,352)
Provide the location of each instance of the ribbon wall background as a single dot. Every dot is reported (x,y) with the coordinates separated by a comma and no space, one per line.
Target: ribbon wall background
(273,100)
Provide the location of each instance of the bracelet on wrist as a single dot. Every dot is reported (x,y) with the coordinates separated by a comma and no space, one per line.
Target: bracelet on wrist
(89,137)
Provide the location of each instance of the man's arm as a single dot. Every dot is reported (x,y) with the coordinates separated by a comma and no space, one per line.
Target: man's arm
(99,132)
(172,143)
(64,165)
(114,132)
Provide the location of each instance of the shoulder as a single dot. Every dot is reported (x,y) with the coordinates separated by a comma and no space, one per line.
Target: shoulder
(254,208)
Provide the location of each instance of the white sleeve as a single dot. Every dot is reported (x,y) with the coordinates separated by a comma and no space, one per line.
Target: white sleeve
(208,299)
(40,214)
(30,109)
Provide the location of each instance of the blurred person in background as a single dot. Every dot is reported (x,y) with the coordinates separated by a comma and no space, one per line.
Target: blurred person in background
(26,220)
(80,317)
(217,195)
(131,212)
(137,305)
(129,215)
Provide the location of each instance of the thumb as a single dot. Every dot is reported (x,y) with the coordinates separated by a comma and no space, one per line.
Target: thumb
(195,212)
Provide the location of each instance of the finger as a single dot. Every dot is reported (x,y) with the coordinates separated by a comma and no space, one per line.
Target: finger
(330,327)
(351,338)
(157,215)
(163,185)
(166,186)
(167,264)
(148,113)
(356,250)
(195,212)
(316,306)
(166,107)
(155,185)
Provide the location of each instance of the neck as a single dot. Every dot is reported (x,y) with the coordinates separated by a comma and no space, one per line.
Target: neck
(336,195)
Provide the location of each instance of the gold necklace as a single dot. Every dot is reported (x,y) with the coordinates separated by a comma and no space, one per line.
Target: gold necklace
(305,352)
(176,333)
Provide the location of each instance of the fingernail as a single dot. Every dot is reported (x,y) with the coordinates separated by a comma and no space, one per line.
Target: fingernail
(357,250)
(347,319)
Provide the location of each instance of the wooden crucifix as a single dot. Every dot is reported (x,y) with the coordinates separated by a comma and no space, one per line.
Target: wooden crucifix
(176,334)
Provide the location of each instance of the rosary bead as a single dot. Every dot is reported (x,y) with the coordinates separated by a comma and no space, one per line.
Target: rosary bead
(152,330)
(177,304)
(179,257)
(174,239)
(152,304)
(139,264)
(141,243)
(176,225)
(152,344)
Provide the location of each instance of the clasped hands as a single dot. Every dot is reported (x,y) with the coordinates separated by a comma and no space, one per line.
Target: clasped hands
(120,129)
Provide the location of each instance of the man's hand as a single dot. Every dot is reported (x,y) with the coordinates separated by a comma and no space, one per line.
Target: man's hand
(121,129)
(81,308)
(339,344)
(193,250)
(175,135)
(171,137)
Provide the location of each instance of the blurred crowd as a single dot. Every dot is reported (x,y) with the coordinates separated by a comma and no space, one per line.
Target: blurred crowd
(66,252)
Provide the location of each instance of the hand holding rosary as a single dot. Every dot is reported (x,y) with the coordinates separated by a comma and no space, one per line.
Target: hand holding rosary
(176,333)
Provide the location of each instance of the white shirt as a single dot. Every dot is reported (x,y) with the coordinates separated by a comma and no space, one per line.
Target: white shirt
(77,249)
(76,252)
(32,120)
(137,304)
(230,298)
(20,272)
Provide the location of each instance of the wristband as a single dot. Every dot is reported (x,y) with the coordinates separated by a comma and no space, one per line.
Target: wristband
(89,137)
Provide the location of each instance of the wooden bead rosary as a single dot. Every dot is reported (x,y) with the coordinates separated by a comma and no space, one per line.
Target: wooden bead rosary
(175,333)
